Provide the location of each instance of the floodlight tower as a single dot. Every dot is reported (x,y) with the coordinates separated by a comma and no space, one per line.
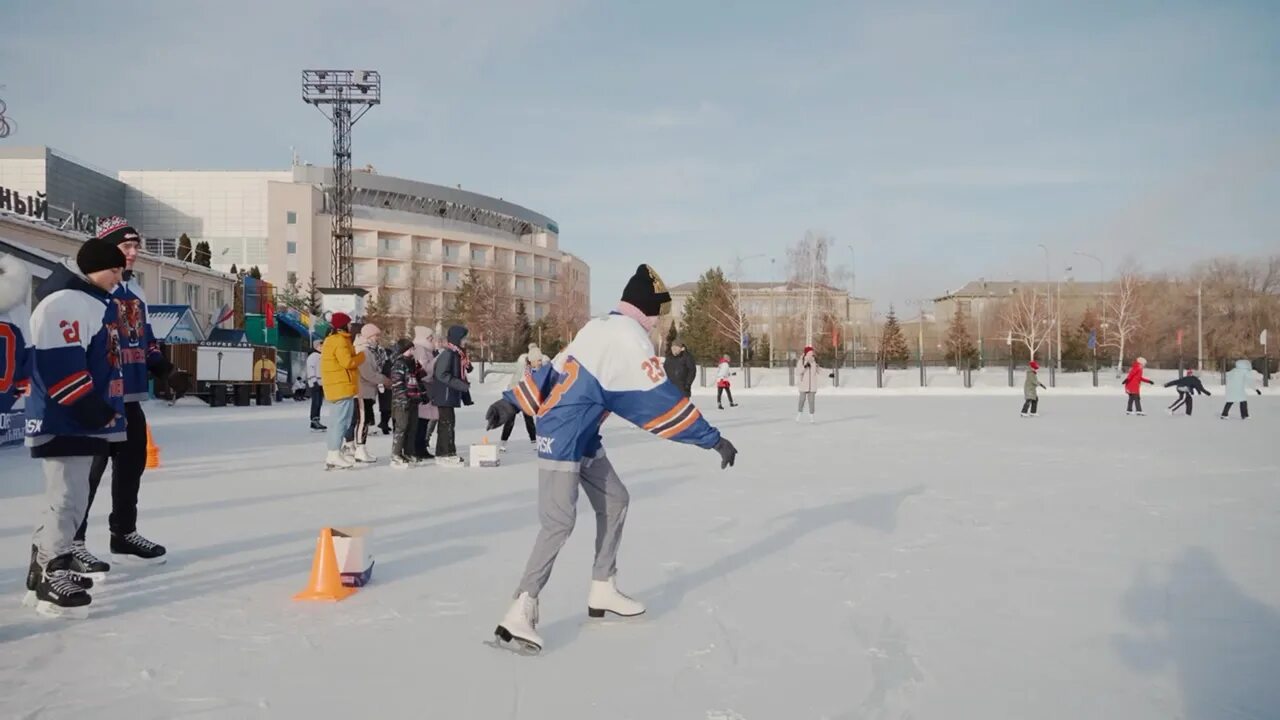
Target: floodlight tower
(343,96)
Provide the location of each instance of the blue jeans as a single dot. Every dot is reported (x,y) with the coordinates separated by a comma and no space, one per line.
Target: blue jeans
(340,413)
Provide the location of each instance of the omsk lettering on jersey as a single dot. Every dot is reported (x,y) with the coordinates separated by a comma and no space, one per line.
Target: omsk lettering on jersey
(610,367)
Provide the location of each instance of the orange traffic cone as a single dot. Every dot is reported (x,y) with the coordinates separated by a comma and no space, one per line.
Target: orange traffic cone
(326,582)
(153,452)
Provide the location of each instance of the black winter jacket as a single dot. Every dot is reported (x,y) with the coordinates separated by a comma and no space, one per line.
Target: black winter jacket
(449,389)
(408,381)
(1190,384)
(681,370)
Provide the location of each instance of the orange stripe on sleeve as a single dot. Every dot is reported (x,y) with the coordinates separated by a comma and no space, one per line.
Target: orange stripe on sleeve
(667,415)
(672,432)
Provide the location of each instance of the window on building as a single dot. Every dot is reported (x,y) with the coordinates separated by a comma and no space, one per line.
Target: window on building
(393,272)
(291,218)
(192,292)
(291,247)
(141,279)
(168,289)
(215,300)
(477,255)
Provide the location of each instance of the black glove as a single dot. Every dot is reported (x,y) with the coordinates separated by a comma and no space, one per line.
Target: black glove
(499,413)
(728,453)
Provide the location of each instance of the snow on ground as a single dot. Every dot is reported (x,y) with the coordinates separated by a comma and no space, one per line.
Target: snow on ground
(907,557)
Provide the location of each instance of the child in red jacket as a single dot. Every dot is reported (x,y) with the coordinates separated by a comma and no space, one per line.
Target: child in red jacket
(1133,385)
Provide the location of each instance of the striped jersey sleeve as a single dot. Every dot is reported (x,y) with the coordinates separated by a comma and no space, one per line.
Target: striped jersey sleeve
(530,392)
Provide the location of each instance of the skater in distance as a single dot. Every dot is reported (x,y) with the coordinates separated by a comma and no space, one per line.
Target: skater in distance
(1239,383)
(1133,386)
(723,373)
(1187,386)
(807,370)
(1031,391)
(610,367)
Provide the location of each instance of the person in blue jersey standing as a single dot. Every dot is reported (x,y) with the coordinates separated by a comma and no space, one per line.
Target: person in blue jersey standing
(140,359)
(609,368)
(75,410)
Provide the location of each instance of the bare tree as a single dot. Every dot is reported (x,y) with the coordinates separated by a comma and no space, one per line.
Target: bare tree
(1027,317)
(807,267)
(727,315)
(424,305)
(1125,316)
(569,303)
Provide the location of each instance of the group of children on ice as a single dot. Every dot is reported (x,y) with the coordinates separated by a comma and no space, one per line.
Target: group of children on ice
(1239,382)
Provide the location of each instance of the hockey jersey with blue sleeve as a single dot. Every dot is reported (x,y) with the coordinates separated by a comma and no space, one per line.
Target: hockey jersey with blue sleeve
(77,390)
(610,367)
(139,351)
(15,364)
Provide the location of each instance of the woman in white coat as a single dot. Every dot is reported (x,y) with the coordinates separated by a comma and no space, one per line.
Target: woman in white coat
(1239,383)
(807,370)
(722,383)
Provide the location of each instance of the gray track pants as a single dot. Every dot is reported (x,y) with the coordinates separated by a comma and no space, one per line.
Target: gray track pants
(557,510)
(811,396)
(66,495)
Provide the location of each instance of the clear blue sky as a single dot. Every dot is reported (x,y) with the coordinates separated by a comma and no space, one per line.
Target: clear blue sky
(942,140)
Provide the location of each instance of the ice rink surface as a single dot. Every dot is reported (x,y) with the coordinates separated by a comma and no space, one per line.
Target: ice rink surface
(905,557)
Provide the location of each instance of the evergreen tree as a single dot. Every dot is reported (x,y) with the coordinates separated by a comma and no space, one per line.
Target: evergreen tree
(523,332)
(184,248)
(314,302)
(255,273)
(237,302)
(672,334)
(204,255)
(233,270)
(375,310)
(960,347)
(468,301)
(1076,355)
(291,297)
(893,344)
(703,320)
(548,338)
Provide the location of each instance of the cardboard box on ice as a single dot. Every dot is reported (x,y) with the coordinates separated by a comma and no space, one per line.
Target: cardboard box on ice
(355,562)
(484,455)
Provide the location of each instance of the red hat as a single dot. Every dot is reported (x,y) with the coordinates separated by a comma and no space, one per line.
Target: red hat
(340,321)
(1034,365)
(808,349)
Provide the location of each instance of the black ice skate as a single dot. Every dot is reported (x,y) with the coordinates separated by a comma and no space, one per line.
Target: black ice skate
(133,549)
(317,427)
(86,564)
(59,593)
(35,575)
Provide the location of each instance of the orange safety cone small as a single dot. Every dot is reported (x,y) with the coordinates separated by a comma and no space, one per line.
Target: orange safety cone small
(326,582)
(153,452)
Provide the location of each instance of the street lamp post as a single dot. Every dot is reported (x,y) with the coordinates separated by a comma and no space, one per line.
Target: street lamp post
(1048,299)
(1200,326)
